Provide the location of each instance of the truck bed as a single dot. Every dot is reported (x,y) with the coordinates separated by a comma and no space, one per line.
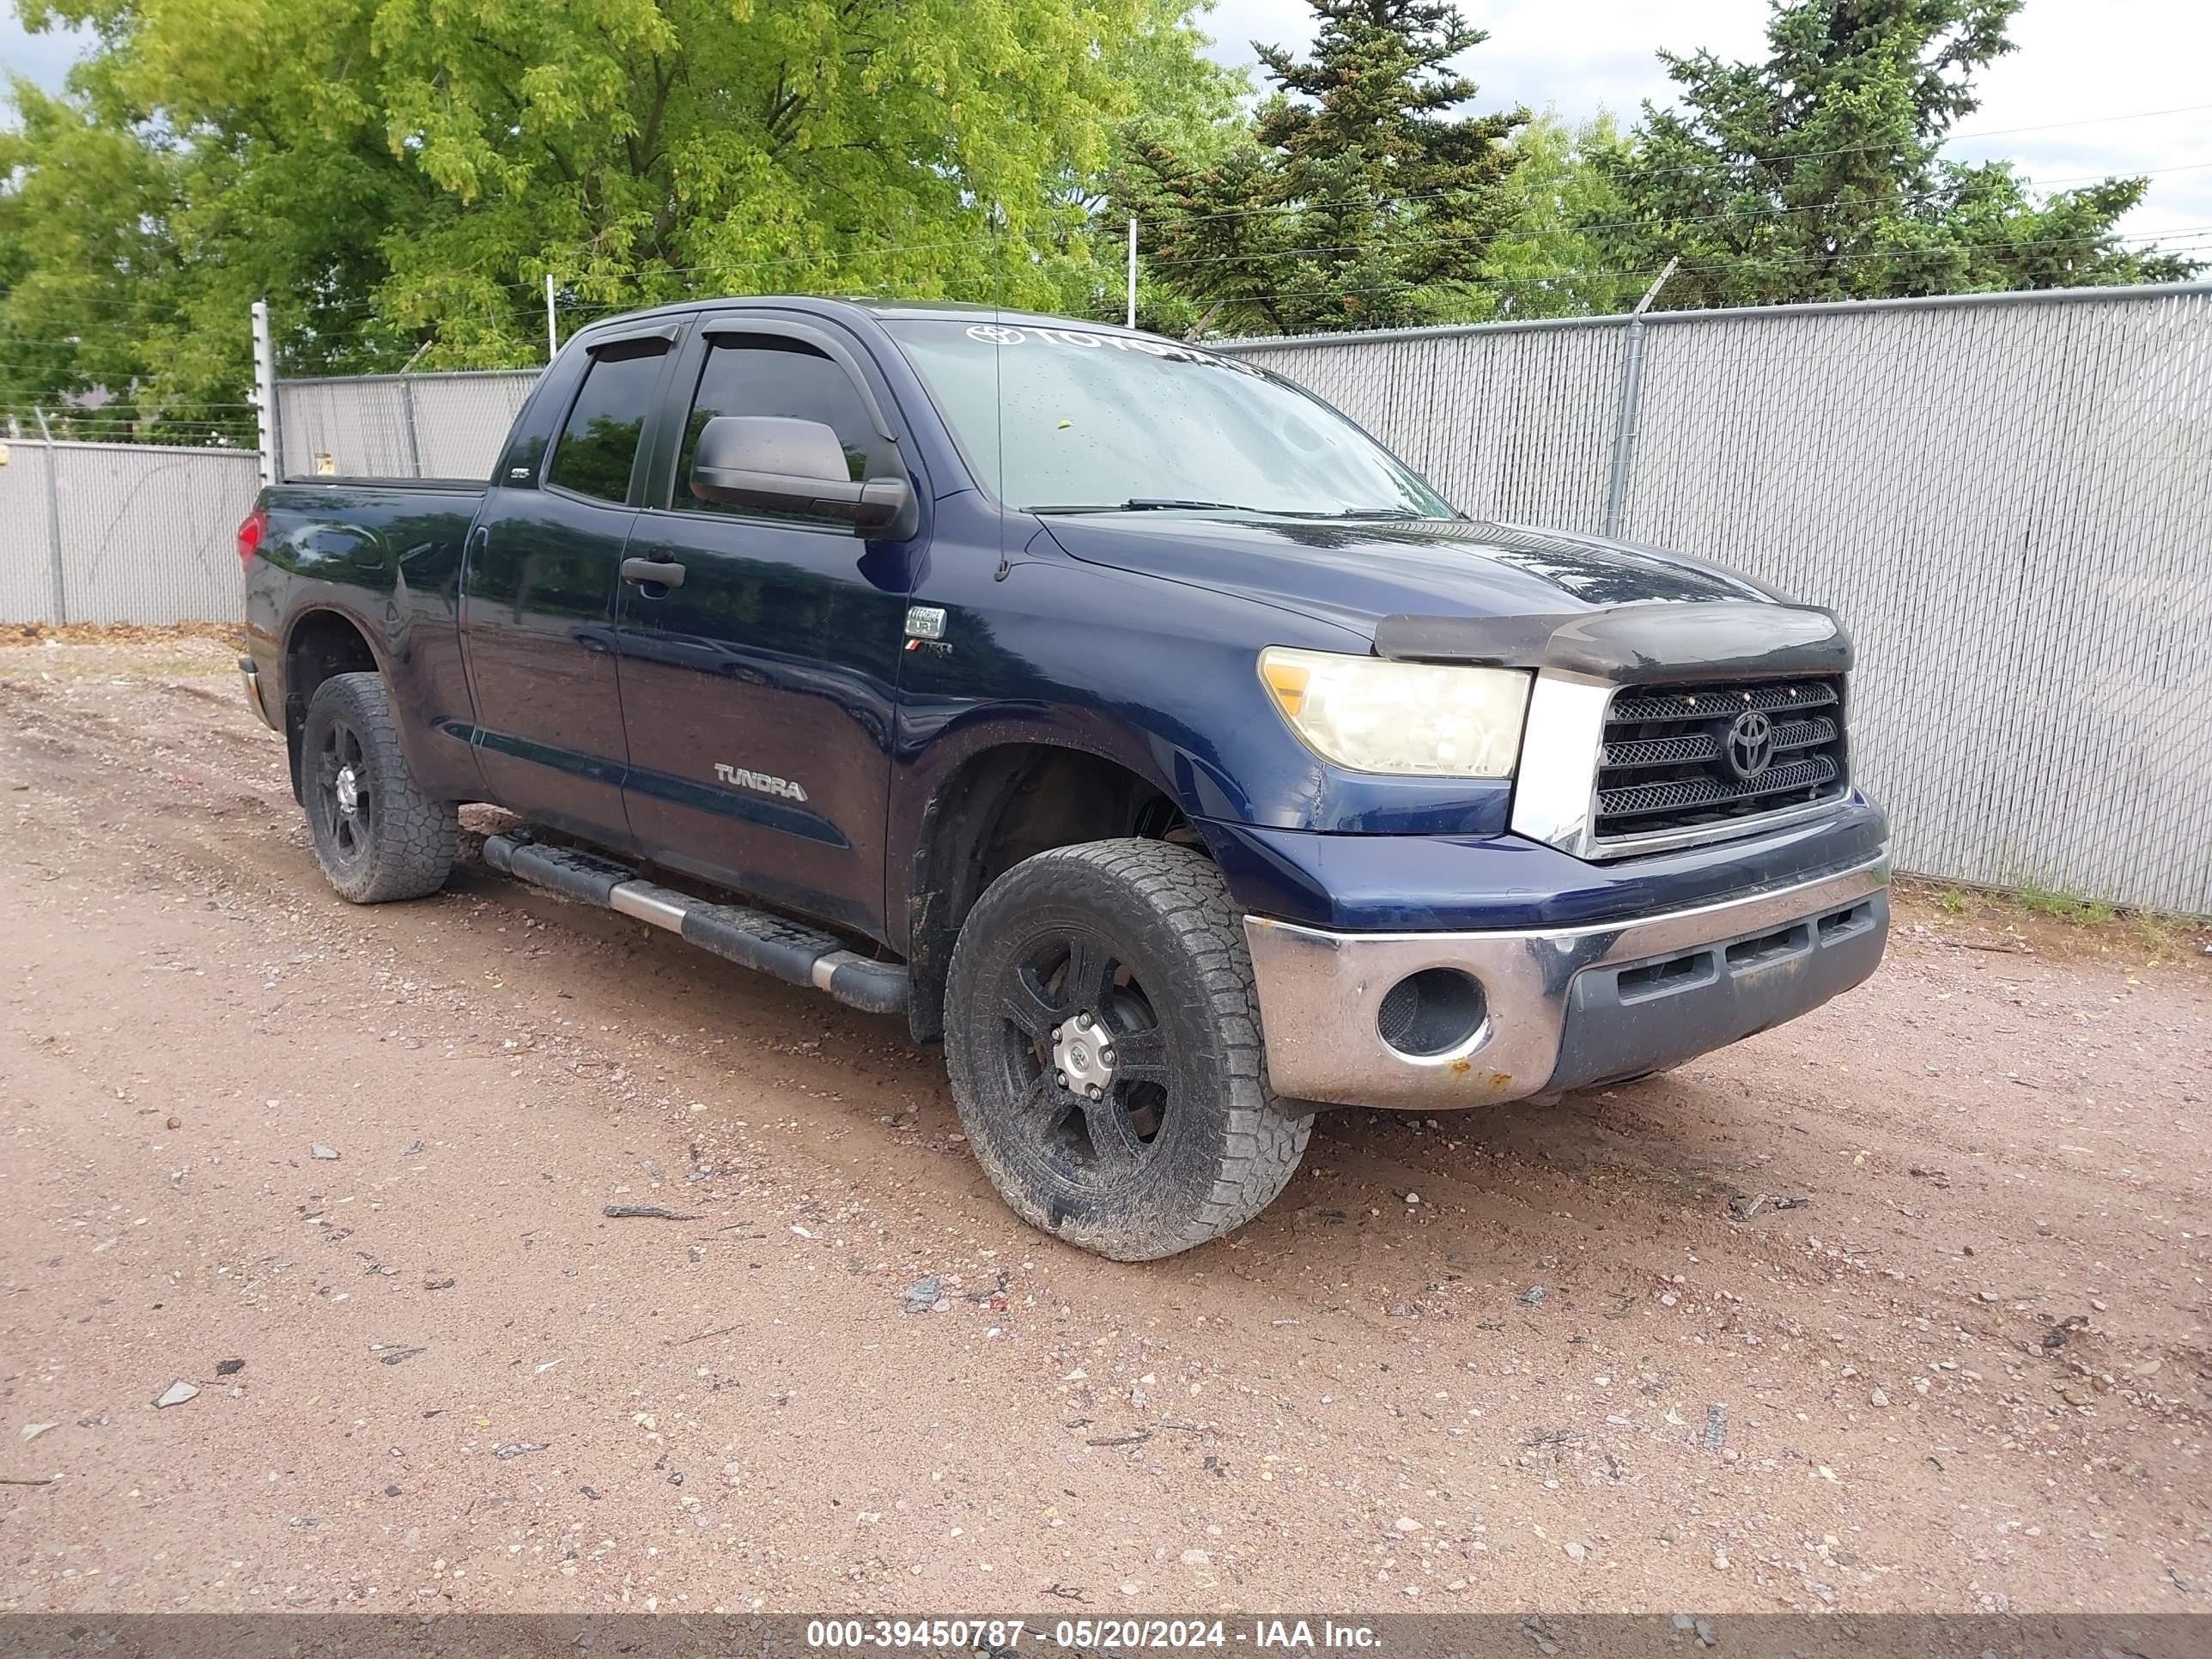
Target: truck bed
(369,481)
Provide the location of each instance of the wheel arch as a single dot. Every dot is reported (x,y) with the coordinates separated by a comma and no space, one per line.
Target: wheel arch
(999,804)
(319,641)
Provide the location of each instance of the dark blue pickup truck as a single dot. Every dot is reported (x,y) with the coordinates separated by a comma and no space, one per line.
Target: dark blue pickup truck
(1119,714)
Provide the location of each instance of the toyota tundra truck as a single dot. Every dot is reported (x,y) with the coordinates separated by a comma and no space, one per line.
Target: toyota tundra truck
(1118,714)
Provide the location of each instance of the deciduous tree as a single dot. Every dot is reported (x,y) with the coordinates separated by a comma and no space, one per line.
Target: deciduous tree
(399,175)
(1547,260)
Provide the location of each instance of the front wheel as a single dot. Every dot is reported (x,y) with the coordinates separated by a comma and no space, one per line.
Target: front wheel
(1102,1035)
(377,835)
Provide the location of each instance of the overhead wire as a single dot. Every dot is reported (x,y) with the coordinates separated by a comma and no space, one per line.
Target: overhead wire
(1310,204)
(1747,262)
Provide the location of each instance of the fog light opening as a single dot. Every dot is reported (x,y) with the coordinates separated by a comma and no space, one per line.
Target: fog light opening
(1432,1012)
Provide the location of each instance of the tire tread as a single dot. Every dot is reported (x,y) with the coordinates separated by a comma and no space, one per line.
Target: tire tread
(1265,1137)
(416,836)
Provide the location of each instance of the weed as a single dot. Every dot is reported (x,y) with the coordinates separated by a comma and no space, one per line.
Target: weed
(2040,901)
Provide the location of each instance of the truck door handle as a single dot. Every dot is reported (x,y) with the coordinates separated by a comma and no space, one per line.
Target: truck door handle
(666,572)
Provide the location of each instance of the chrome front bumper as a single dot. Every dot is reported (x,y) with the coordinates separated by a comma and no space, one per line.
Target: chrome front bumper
(1723,971)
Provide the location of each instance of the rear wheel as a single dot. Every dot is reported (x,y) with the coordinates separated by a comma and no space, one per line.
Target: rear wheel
(1103,1040)
(377,835)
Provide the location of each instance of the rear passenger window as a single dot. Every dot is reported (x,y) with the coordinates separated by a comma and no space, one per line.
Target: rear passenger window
(599,443)
(763,374)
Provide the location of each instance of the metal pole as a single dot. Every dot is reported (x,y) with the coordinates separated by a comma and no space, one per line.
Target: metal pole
(407,417)
(264,394)
(1132,273)
(552,331)
(54,520)
(1631,397)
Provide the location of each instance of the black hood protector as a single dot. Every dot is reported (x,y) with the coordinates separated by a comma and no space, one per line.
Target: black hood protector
(1643,644)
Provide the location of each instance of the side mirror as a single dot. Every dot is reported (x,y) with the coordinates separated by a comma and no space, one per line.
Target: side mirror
(787,465)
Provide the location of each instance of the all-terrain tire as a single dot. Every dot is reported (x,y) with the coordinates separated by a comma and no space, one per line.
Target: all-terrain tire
(1142,940)
(392,841)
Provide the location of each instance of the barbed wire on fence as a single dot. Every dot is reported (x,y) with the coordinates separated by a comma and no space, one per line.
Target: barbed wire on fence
(1308,204)
(1566,273)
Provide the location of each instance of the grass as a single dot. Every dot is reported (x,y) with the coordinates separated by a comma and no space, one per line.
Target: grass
(2061,906)
(2160,935)
(2163,935)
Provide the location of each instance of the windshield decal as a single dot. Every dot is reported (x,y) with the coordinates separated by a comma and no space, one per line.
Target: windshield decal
(1001,334)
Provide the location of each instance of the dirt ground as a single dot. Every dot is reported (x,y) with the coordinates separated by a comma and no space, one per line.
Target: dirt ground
(1531,1358)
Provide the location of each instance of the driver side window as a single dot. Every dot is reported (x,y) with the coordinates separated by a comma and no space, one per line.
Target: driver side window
(764,375)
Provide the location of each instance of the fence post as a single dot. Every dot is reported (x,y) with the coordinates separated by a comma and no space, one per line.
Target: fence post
(54,520)
(1632,395)
(407,417)
(1132,273)
(264,394)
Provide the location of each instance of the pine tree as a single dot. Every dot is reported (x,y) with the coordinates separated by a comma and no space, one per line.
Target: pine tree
(1817,174)
(1359,199)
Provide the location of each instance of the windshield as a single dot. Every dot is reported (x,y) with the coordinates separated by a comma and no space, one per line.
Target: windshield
(1062,419)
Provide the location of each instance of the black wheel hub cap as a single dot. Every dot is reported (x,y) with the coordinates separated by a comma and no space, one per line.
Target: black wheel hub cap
(1086,1058)
(345,803)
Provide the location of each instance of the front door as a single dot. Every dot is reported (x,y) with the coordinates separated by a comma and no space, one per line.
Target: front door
(537,614)
(758,696)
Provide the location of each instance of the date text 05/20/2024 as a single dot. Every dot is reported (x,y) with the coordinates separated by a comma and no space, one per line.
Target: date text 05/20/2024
(1007,1634)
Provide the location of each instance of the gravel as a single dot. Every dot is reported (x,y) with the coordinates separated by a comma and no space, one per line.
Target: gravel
(176,955)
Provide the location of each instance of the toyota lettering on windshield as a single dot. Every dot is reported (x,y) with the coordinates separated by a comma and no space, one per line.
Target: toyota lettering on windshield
(1054,419)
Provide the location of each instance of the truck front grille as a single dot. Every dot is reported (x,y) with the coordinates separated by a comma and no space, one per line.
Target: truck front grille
(1681,758)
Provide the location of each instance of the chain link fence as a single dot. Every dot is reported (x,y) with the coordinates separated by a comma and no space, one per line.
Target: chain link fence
(399,426)
(121,533)
(2008,497)
(2012,505)
(1511,423)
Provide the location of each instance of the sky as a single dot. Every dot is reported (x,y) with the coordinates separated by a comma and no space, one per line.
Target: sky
(2073,59)
(2078,62)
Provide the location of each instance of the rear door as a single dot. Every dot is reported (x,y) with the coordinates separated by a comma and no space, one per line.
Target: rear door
(542,577)
(757,694)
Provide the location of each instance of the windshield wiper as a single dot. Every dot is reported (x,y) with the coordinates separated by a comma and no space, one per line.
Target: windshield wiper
(1360,513)
(1147,504)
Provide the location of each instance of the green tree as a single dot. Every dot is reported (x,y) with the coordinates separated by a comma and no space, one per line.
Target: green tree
(1357,199)
(1545,260)
(400,175)
(1816,175)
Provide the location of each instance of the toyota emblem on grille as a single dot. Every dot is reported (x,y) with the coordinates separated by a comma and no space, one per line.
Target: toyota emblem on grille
(1749,745)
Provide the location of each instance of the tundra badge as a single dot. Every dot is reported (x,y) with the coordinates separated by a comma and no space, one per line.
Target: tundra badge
(760,781)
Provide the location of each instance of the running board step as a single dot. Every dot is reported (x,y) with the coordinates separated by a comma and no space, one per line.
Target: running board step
(752,938)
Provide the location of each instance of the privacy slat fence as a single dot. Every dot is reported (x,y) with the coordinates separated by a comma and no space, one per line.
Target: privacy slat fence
(121,533)
(406,426)
(2009,499)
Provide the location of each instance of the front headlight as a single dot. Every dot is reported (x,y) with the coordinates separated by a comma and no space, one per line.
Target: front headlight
(1414,718)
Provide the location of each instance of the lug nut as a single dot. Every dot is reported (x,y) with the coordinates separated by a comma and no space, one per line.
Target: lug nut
(1082,1022)
(1106,1056)
(1060,1078)
(1096,1092)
